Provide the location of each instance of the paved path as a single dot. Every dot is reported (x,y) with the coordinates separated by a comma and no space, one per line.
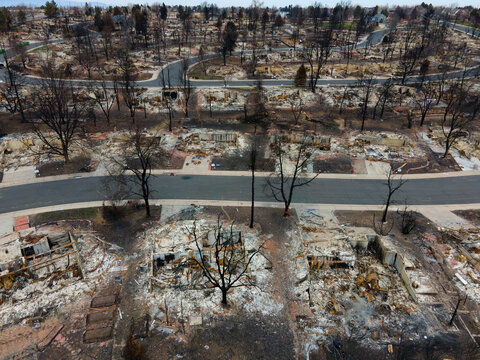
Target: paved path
(441,215)
(171,74)
(445,218)
(429,191)
(466,29)
(203,171)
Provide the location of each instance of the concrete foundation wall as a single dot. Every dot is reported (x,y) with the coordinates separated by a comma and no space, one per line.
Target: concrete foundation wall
(399,264)
(389,256)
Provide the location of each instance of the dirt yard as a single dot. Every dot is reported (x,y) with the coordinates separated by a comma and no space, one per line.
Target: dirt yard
(471,215)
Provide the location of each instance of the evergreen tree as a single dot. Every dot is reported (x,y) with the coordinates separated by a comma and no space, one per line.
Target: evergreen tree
(117,11)
(51,9)
(5,19)
(21,16)
(279,21)
(301,76)
(230,36)
(97,19)
(163,12)
(357,12)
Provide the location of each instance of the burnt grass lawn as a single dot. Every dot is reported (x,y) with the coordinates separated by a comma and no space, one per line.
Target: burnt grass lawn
(78,164)
(341,164)
(198,71)
(235,337)
(241,163)
(119,225)
(470,215)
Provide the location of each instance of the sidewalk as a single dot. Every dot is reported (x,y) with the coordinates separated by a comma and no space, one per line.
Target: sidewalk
(445,218)
(202,170)
(441,215)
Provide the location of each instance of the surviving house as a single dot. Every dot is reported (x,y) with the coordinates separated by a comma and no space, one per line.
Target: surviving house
(377,19)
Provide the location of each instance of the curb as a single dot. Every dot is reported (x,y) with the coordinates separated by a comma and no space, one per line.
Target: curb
(258,204)
(167,172)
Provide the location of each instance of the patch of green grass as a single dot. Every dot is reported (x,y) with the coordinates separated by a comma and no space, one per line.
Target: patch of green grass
(77,214)
(344,25)
(459,22)
(41,48)
(44,48)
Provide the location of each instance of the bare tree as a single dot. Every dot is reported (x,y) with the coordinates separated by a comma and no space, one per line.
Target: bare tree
(157,43)
(350,41)
(346,91)
(409,220)
(129,89)
(410,51)
(21,52)
(116,91)
(228,266)
(106,40)
(367,85)
(425,101)
(455,116)
(139,154)
(424,70)
(60,111)
(255,108)
(186,88)
(11,92)
(383,99)
(393,185)
(441,85)
(104,97)
(296,106)
(317,54)
(210,98)
(167,102)
(115,188)
(78,37)
(283,182)
(388,43)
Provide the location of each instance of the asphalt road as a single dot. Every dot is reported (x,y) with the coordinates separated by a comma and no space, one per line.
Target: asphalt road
(432,191)
(172,74)
(469,30)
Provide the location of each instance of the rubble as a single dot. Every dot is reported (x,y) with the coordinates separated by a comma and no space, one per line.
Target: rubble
(64,56)
(43,270)
(205,143)
(349,284)
(275,97)
(175,287)
(463,254)
(383,146)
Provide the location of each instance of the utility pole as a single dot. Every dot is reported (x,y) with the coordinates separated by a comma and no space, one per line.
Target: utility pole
(253,161)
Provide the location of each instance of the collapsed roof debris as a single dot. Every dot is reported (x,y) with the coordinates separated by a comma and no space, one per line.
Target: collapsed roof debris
(41,269)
